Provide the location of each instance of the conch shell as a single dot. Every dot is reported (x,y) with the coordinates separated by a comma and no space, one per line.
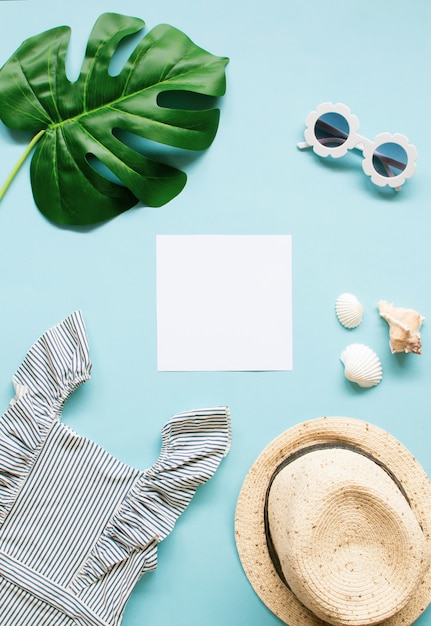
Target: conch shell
(404,325)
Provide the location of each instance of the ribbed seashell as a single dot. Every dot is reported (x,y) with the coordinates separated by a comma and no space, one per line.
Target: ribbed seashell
(349,310)
(361,365)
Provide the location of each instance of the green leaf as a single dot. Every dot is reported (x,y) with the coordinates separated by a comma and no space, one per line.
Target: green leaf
(78,123)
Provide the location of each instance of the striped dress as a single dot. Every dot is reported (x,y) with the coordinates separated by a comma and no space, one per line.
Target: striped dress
(78,527)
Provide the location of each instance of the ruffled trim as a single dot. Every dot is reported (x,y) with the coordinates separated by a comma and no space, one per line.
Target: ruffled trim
(193,445)
(55,365)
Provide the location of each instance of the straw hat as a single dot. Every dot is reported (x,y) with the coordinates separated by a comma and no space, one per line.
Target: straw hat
(333,525)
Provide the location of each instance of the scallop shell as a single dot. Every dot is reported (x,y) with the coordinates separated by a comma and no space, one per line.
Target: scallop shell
(404,325)
(361,365)
(349,310)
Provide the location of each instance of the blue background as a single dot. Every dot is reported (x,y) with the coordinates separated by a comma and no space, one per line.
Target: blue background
(348,235)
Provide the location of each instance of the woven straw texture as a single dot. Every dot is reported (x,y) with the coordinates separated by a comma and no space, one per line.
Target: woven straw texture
(383,508)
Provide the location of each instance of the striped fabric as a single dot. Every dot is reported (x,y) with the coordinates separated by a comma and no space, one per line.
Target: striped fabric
(78,527)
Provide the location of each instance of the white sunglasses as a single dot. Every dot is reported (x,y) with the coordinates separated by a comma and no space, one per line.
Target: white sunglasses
(331,130)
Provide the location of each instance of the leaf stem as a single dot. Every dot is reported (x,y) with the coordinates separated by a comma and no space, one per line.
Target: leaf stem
(17,167)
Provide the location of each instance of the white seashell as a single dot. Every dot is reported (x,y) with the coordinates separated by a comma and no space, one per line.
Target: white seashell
(349,310)
(361,365)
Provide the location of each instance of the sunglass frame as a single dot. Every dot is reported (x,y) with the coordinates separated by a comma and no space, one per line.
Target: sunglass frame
(355,140)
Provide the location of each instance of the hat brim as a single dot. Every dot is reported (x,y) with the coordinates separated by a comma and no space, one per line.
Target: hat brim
(250,533)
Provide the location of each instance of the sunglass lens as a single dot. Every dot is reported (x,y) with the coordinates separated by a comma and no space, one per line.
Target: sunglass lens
(331,130)
(389,159)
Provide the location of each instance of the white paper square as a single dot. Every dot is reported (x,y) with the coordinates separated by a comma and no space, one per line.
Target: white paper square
(224,302)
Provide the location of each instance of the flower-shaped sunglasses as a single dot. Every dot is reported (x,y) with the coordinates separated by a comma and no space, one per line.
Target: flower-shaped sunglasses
(331,130)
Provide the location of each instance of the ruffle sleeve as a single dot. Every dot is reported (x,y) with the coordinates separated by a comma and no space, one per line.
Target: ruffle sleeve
(193,445)
(54,366)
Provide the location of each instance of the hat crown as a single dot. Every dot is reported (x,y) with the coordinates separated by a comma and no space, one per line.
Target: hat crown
(348,543)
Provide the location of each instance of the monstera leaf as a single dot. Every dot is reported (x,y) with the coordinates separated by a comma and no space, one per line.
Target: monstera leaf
(81,124)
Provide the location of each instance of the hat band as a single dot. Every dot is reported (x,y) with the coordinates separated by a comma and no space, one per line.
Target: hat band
(296,455)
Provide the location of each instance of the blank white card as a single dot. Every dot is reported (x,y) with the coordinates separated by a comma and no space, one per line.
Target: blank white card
(224,302)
